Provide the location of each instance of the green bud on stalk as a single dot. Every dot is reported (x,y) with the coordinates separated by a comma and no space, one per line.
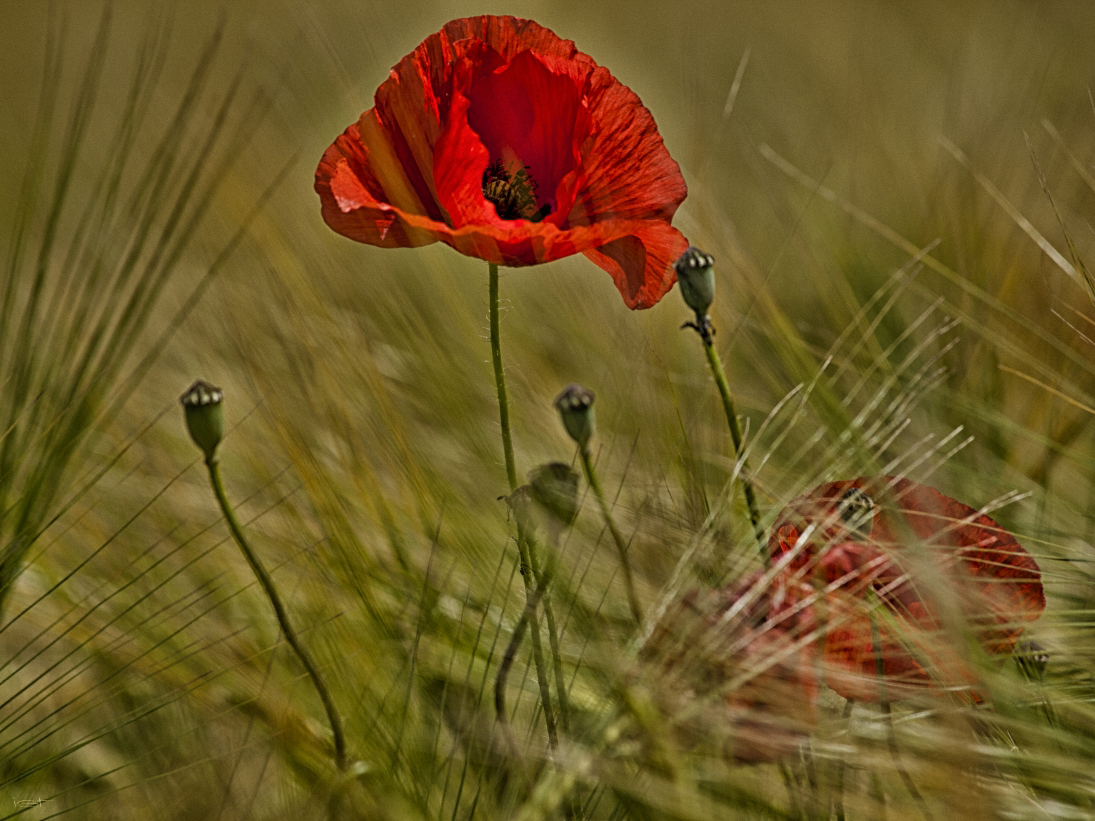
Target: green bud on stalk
(204,416)
(697,279)
(575,406)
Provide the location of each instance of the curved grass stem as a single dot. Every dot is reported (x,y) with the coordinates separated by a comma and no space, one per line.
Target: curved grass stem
(279,611)
(838,788)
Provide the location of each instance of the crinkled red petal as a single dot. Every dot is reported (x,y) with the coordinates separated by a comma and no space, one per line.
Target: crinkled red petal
(531,114)
(641,264)
(997,582)
(355,202)
(626,169)
(491,88)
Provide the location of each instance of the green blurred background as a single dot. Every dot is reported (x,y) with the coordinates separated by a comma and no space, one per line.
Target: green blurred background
(144,672)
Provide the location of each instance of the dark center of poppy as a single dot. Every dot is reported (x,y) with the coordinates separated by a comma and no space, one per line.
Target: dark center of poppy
(857,511)
(512,192)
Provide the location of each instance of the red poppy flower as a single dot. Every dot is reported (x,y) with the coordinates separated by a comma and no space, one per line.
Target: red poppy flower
(504,141)
(921,554)
(736,665)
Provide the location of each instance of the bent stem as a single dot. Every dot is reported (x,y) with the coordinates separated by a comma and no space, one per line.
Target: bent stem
(279,611)
(617,537)
(524,545)
(706,332)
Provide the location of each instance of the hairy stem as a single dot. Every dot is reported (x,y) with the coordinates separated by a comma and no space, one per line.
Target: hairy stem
(500,379)
(279,611)
(735,434)
(532,595)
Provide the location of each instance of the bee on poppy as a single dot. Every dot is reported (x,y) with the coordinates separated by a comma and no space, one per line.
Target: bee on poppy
(513,195)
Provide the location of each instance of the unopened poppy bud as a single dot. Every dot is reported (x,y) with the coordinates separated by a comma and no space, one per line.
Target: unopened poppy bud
(204,415)
(697,279)
(575,405)
(555,488)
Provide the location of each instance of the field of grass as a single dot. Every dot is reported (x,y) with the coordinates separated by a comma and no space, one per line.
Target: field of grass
(899,200)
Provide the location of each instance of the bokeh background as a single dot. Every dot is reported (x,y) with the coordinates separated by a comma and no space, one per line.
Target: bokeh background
(899,198)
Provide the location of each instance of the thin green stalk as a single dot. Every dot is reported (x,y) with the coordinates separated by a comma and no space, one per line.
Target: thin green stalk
(543,582)
(617,537)
(735,433)
(523,545)
(279,610)
(500,380)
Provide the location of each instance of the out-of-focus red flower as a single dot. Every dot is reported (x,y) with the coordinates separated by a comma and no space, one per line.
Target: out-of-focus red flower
(504,141)
(927,559)
(737,666)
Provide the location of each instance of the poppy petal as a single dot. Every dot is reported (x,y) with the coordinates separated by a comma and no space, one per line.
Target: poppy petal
(641,264)
(627,170)
(531,114)
(995,581)
(354,201)
(487,90)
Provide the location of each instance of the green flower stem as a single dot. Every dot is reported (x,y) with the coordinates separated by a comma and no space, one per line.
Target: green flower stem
(735,434)
(279,610)
(523,544)
(500,379)
(543,581)
(617,537)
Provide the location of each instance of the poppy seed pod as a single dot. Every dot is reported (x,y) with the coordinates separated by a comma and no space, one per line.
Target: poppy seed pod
(575,405)
(697,279)
(204,416)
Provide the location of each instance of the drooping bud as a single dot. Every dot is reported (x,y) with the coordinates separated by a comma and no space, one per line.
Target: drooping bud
(204,416)
(555,488)
(697,279)
(575,406)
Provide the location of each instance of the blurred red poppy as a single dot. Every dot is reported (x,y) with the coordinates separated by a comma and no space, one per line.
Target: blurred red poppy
(927,559)
(736,666)
(504,141)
